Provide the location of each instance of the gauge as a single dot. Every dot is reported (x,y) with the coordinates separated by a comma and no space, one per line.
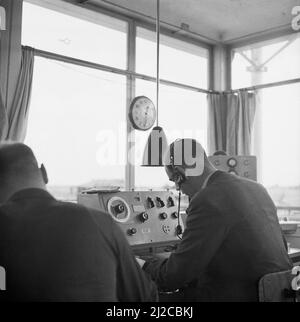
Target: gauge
(118,209)
(142,113)
(232,162)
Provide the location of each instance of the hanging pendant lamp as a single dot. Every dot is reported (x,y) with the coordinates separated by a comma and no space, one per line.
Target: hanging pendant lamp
(156,145)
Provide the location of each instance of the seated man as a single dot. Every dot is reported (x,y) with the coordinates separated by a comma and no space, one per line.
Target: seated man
(57,251)
(232,236)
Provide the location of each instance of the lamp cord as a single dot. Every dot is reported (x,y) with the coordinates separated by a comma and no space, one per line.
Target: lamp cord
(179,226)
(157,57)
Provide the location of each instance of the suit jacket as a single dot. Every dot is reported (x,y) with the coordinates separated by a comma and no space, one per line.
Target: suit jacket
(57,251)
(232,238)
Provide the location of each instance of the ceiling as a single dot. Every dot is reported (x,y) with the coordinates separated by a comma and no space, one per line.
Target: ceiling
(211,20)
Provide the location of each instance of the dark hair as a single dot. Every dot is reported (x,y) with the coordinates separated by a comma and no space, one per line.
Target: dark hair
(16,159)
(178,151)
(220,152)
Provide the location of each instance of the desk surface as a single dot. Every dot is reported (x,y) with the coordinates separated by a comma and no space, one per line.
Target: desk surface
(294,252)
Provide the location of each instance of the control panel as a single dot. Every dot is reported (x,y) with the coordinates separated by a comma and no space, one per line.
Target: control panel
(243,166)
(149,219)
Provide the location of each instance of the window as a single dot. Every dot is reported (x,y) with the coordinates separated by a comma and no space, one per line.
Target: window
(182,114)
(281,144)
(268,62)
(78,33)
(180,62)
(277,129)
(77,123)
(77,120)
(75,127)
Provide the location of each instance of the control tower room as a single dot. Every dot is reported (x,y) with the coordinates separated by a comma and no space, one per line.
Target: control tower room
(149,151)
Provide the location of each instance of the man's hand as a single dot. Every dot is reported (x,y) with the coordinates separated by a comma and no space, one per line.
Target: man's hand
(140,261)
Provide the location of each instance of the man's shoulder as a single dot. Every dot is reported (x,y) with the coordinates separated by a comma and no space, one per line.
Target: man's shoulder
(76,209)
(221,188)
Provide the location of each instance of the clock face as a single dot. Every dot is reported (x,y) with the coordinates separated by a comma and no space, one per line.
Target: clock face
(142,113)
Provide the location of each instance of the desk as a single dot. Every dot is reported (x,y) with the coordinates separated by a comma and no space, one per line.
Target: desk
(294,254)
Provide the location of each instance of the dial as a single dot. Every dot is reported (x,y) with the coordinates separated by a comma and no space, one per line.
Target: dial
(144,216)
(118,209)
(163,216)
(232,162)
(142,113)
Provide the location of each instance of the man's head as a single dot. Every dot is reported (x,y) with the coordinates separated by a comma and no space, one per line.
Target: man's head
(19,170)
(187,165)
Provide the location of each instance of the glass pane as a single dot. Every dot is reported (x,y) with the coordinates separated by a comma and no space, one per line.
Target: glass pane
(75,127)
(266,62)
(182,114)
(281,143)
(180,62)
(79,33)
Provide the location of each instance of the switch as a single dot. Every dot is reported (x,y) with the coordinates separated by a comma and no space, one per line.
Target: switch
(170,202)
(160,203)
(150,203)
(174,214)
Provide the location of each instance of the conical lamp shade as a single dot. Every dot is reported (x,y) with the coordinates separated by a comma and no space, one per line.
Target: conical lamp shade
(156,148)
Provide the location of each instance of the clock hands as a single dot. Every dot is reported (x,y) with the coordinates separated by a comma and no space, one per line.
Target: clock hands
(146,115)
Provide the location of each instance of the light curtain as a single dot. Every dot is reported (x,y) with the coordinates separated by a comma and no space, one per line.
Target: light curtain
(14,118)
(3,120)
(231,118)
(217,123)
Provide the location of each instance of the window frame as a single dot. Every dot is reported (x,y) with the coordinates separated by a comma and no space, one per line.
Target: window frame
(254,43)
(130,72)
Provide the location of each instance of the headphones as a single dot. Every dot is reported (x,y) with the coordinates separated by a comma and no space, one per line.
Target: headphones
(179,177)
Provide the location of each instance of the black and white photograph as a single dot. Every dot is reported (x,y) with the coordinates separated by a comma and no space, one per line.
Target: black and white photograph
(149,153)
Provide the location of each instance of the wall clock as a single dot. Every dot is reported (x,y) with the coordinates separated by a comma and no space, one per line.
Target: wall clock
(142,113)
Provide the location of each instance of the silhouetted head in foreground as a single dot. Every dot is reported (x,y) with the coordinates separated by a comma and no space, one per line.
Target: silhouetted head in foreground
(19,170)
(187,165)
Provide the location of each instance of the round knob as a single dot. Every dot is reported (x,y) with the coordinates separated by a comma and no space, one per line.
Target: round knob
(164,216)
(132,231)
(232,162)
(119,208)
(144,216)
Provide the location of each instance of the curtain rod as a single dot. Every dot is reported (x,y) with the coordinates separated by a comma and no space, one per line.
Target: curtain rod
(264,86)
(84,63)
